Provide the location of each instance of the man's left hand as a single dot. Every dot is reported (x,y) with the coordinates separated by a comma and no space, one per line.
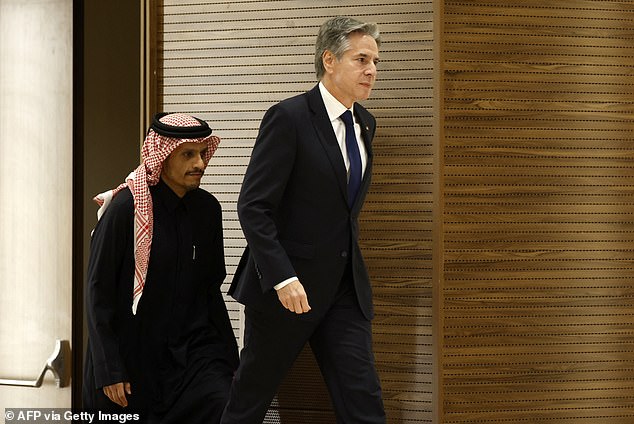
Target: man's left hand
(293,297)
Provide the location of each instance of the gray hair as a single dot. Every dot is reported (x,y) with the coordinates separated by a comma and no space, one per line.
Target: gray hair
(333,36)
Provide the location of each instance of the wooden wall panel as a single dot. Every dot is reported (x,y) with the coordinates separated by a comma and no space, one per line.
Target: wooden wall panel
(227,62)
(538,212)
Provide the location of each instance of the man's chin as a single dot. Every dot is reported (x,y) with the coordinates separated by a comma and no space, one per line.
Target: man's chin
(364,94)
(193,186)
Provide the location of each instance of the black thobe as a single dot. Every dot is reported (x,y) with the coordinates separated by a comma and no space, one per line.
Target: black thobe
(179,351)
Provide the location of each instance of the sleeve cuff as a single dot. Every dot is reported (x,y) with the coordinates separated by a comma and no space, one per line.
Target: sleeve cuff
(285,283)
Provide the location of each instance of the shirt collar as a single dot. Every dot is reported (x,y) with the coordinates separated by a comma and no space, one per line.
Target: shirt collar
(334,108)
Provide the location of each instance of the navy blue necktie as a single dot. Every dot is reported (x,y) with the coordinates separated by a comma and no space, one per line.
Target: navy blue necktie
(354,178)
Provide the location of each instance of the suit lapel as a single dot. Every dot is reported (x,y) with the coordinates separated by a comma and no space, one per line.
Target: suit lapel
(326,136)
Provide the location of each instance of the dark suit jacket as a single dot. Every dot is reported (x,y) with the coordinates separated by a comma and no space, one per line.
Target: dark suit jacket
(294,211)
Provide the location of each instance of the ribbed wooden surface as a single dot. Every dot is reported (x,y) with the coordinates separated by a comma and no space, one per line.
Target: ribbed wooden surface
(538,223)
(227,62)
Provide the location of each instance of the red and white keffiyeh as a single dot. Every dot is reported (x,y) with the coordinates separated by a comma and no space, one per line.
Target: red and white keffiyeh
(156,148)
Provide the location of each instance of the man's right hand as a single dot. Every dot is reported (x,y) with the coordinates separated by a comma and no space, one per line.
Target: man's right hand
(293,297)
(116,393)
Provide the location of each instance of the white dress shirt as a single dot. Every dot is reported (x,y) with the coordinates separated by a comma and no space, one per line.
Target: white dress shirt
(335,109)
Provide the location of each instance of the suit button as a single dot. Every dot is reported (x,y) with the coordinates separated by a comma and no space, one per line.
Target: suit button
(344,254)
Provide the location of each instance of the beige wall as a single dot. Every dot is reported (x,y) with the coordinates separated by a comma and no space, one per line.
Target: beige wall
(35,194)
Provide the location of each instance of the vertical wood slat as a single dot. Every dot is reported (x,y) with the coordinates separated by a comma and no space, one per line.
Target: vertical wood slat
(538,184)
(227,62)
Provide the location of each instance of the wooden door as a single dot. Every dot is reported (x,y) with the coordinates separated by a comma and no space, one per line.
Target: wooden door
(35,197)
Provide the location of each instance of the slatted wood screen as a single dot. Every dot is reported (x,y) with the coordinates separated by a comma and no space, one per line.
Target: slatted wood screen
(539,225)
(227,62)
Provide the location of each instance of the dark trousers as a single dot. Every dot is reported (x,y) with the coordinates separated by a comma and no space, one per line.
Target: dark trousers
(201,397)
(341,339)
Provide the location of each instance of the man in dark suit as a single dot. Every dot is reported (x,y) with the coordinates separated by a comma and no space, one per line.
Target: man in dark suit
(302,277)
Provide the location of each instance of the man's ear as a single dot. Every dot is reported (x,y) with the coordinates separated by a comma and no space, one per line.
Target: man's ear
(328,58)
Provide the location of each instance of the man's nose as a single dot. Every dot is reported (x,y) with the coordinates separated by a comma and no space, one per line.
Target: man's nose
(200,163)
(372,70)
